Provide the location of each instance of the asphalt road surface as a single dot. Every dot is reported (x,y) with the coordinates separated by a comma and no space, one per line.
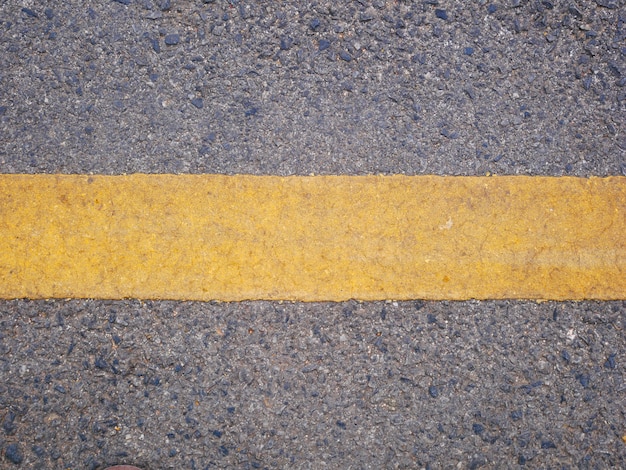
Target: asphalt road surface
(301,87)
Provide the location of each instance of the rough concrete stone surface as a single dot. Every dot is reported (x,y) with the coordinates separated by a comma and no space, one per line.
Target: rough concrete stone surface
(530,87)
(293,385)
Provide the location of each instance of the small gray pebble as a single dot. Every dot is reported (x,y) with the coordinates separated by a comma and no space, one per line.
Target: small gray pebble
(172,39)
(14,454)
(345,56)
(323,44)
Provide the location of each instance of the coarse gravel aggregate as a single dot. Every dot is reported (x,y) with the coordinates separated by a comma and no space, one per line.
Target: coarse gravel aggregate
(294,385)
(300,87)
(319,87)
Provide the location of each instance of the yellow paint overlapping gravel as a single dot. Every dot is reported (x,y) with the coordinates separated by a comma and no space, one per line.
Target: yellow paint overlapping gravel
(312,238)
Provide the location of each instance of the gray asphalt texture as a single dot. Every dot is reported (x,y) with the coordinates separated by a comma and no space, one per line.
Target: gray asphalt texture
(426,87)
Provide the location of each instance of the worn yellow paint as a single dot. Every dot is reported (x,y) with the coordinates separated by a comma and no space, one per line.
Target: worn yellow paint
(312,238)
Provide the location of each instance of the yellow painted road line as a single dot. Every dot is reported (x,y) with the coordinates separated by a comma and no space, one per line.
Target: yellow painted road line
(202,237)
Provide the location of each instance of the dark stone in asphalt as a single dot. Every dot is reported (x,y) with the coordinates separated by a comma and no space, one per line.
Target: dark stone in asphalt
(286,43)
(172,39)
(315,24)
(30,12)
(610,362)
(14,454)
(8,423)
(118,105)
(441,14)
(251,111)
(345,56)
(576,12)
(419,59)
(38,451)
(100,363)
(198,103)
(323,44)
(584,379)
(449,134)
(477,462)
